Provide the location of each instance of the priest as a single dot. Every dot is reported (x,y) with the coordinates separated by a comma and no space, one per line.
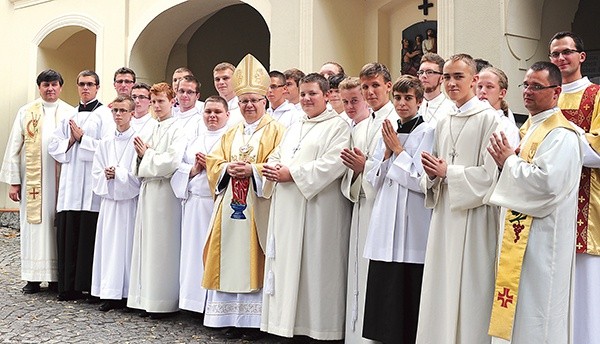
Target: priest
(32,175)
(538,192)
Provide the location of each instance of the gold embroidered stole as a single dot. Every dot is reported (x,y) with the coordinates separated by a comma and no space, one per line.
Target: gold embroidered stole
(588,209)
(33,162)
(514,242)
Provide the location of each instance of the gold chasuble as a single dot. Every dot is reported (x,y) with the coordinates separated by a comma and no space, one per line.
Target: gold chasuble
(32,134)
(514,240)
(582,108)
(234,252)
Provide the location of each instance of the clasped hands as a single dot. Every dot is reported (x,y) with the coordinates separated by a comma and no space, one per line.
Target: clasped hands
(277,173)
(199,164)
(239,169)
(109,172)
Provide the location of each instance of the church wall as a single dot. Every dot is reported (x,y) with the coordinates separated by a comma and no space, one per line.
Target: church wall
(339,34)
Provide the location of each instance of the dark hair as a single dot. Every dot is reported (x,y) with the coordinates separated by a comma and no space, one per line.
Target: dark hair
(124,70)
(374,69)
(141,85)
(295,74)
(49,75)
(128,99)
(554,76)
(192,79)
(91,73)
(318,79)
(277,74)
(217,99)
(562,34)
(334,81)
(406,83)
(481,64)
(335,64)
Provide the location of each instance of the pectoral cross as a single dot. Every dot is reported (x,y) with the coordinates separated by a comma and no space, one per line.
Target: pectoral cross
(453,154)
(297,148)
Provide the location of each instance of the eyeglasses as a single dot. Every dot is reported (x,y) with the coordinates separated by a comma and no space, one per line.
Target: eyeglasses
(428,72)
(535,87)
(140,97)
(188,92)
(123,81)
(86,84)
(247,101)
(117,110)
(565,53)
(274,87)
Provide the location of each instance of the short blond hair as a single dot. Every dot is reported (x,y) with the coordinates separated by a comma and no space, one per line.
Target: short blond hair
(349,83)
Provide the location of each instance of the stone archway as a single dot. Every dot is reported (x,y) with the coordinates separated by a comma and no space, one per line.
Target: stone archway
(57,51)
(68,44)
(196,34)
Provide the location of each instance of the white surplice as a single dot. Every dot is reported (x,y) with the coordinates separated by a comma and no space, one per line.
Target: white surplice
(197,207)
(144,126)
(365,136)
(399,224)
(309,227)
(191,123)
(75,191)
(286,114)
(458,277)
(437,108)
(547,190)
(235,115)
(38,241)
(154,283)
(116,220)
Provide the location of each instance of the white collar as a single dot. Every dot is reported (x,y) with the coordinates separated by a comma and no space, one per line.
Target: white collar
(471,103)
(576,86)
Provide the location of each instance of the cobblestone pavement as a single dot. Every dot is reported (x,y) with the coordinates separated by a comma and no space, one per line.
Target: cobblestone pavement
(39,318)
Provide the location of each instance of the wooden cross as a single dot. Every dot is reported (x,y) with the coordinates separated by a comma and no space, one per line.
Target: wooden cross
(425,7)
(34,193)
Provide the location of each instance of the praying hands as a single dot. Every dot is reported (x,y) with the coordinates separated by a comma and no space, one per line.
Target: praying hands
(140,146)
(433,166)
(390,139)
(199,164)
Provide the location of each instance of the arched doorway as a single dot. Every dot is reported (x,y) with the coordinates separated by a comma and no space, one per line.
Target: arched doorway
(199,35)
(57,51)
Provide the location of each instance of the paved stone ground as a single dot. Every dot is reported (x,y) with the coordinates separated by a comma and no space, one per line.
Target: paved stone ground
(39,318)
